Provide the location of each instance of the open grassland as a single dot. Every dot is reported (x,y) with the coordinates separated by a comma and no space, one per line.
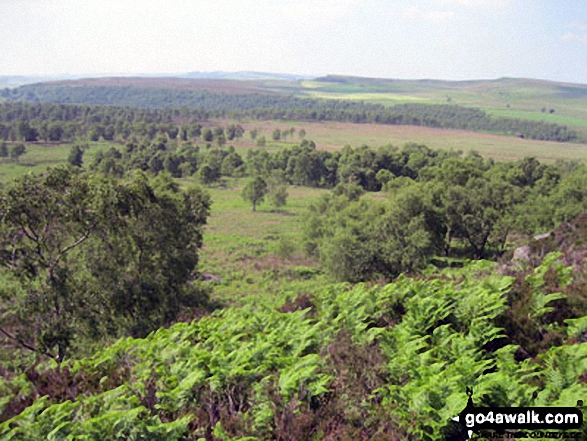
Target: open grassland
(335,135)
(256,253)
(39,156)
(506,97)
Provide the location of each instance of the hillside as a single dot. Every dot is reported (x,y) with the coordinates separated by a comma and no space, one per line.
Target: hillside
(340,303)
(505,97)
(524,108)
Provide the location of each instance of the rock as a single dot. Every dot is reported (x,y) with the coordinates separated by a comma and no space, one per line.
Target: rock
(210,278)
(543,236)
(522,254)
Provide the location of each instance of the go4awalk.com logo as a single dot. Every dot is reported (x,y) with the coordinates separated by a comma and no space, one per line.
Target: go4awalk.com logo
(500,419)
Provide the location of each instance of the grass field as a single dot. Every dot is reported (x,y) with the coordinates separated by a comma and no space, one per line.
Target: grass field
(505,97)
(334,136)
(39,156)
(256,253)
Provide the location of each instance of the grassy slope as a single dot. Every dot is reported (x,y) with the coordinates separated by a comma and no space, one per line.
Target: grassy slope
(242,247)
(40,156)
(507,97)
(334,136)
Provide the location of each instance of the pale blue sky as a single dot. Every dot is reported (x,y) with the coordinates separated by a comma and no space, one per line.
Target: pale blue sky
(439,39)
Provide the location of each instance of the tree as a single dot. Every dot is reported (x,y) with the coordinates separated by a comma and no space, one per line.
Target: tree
(3,150)
(302,133)
(207,135)
(55,132)
(234,131)
(351,190)
(183,133)
(195,131)
(84,256)
(261,142)
(364,240)
(230,163)
(277,189)
(17,151)
(76,156)
(276,135)
(255,191)
(220,140)
(207,175)
(26,132)
(478,212)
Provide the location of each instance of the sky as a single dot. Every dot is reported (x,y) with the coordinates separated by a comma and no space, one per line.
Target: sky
(405,39)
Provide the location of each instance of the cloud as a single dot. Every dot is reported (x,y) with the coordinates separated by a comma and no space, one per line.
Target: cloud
(414,13)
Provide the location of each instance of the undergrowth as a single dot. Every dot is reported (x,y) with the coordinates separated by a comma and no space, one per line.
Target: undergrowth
(344,362)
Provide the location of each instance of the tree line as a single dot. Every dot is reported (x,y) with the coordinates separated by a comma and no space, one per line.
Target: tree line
(204,104)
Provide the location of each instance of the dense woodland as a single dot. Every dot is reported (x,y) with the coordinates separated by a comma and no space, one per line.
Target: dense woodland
(414,286)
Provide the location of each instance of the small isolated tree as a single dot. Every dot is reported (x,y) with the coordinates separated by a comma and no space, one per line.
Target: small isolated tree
(17,151)
(261,142)
(302,133)
(277,189)
(76,156)
(3,150)
(276,135)
(253,134)
(255,191)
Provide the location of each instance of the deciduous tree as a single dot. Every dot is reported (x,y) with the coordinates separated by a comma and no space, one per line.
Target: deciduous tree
(254,191)
(84,256)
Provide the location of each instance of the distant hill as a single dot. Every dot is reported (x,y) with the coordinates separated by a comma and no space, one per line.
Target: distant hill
(165,83)
(20,80)
(12,81)
(246,75)
(425,85)
(526,108)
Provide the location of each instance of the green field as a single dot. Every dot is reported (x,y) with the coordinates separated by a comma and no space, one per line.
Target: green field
(506,97)
(335,135)
(255,253)
(40,156)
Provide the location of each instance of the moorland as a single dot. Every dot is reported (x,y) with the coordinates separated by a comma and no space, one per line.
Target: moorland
(288,258)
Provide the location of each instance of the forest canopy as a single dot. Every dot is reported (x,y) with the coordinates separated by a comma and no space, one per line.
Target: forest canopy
(85,257)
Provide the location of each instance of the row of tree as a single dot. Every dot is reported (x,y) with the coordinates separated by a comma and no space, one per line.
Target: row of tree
(182,106)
